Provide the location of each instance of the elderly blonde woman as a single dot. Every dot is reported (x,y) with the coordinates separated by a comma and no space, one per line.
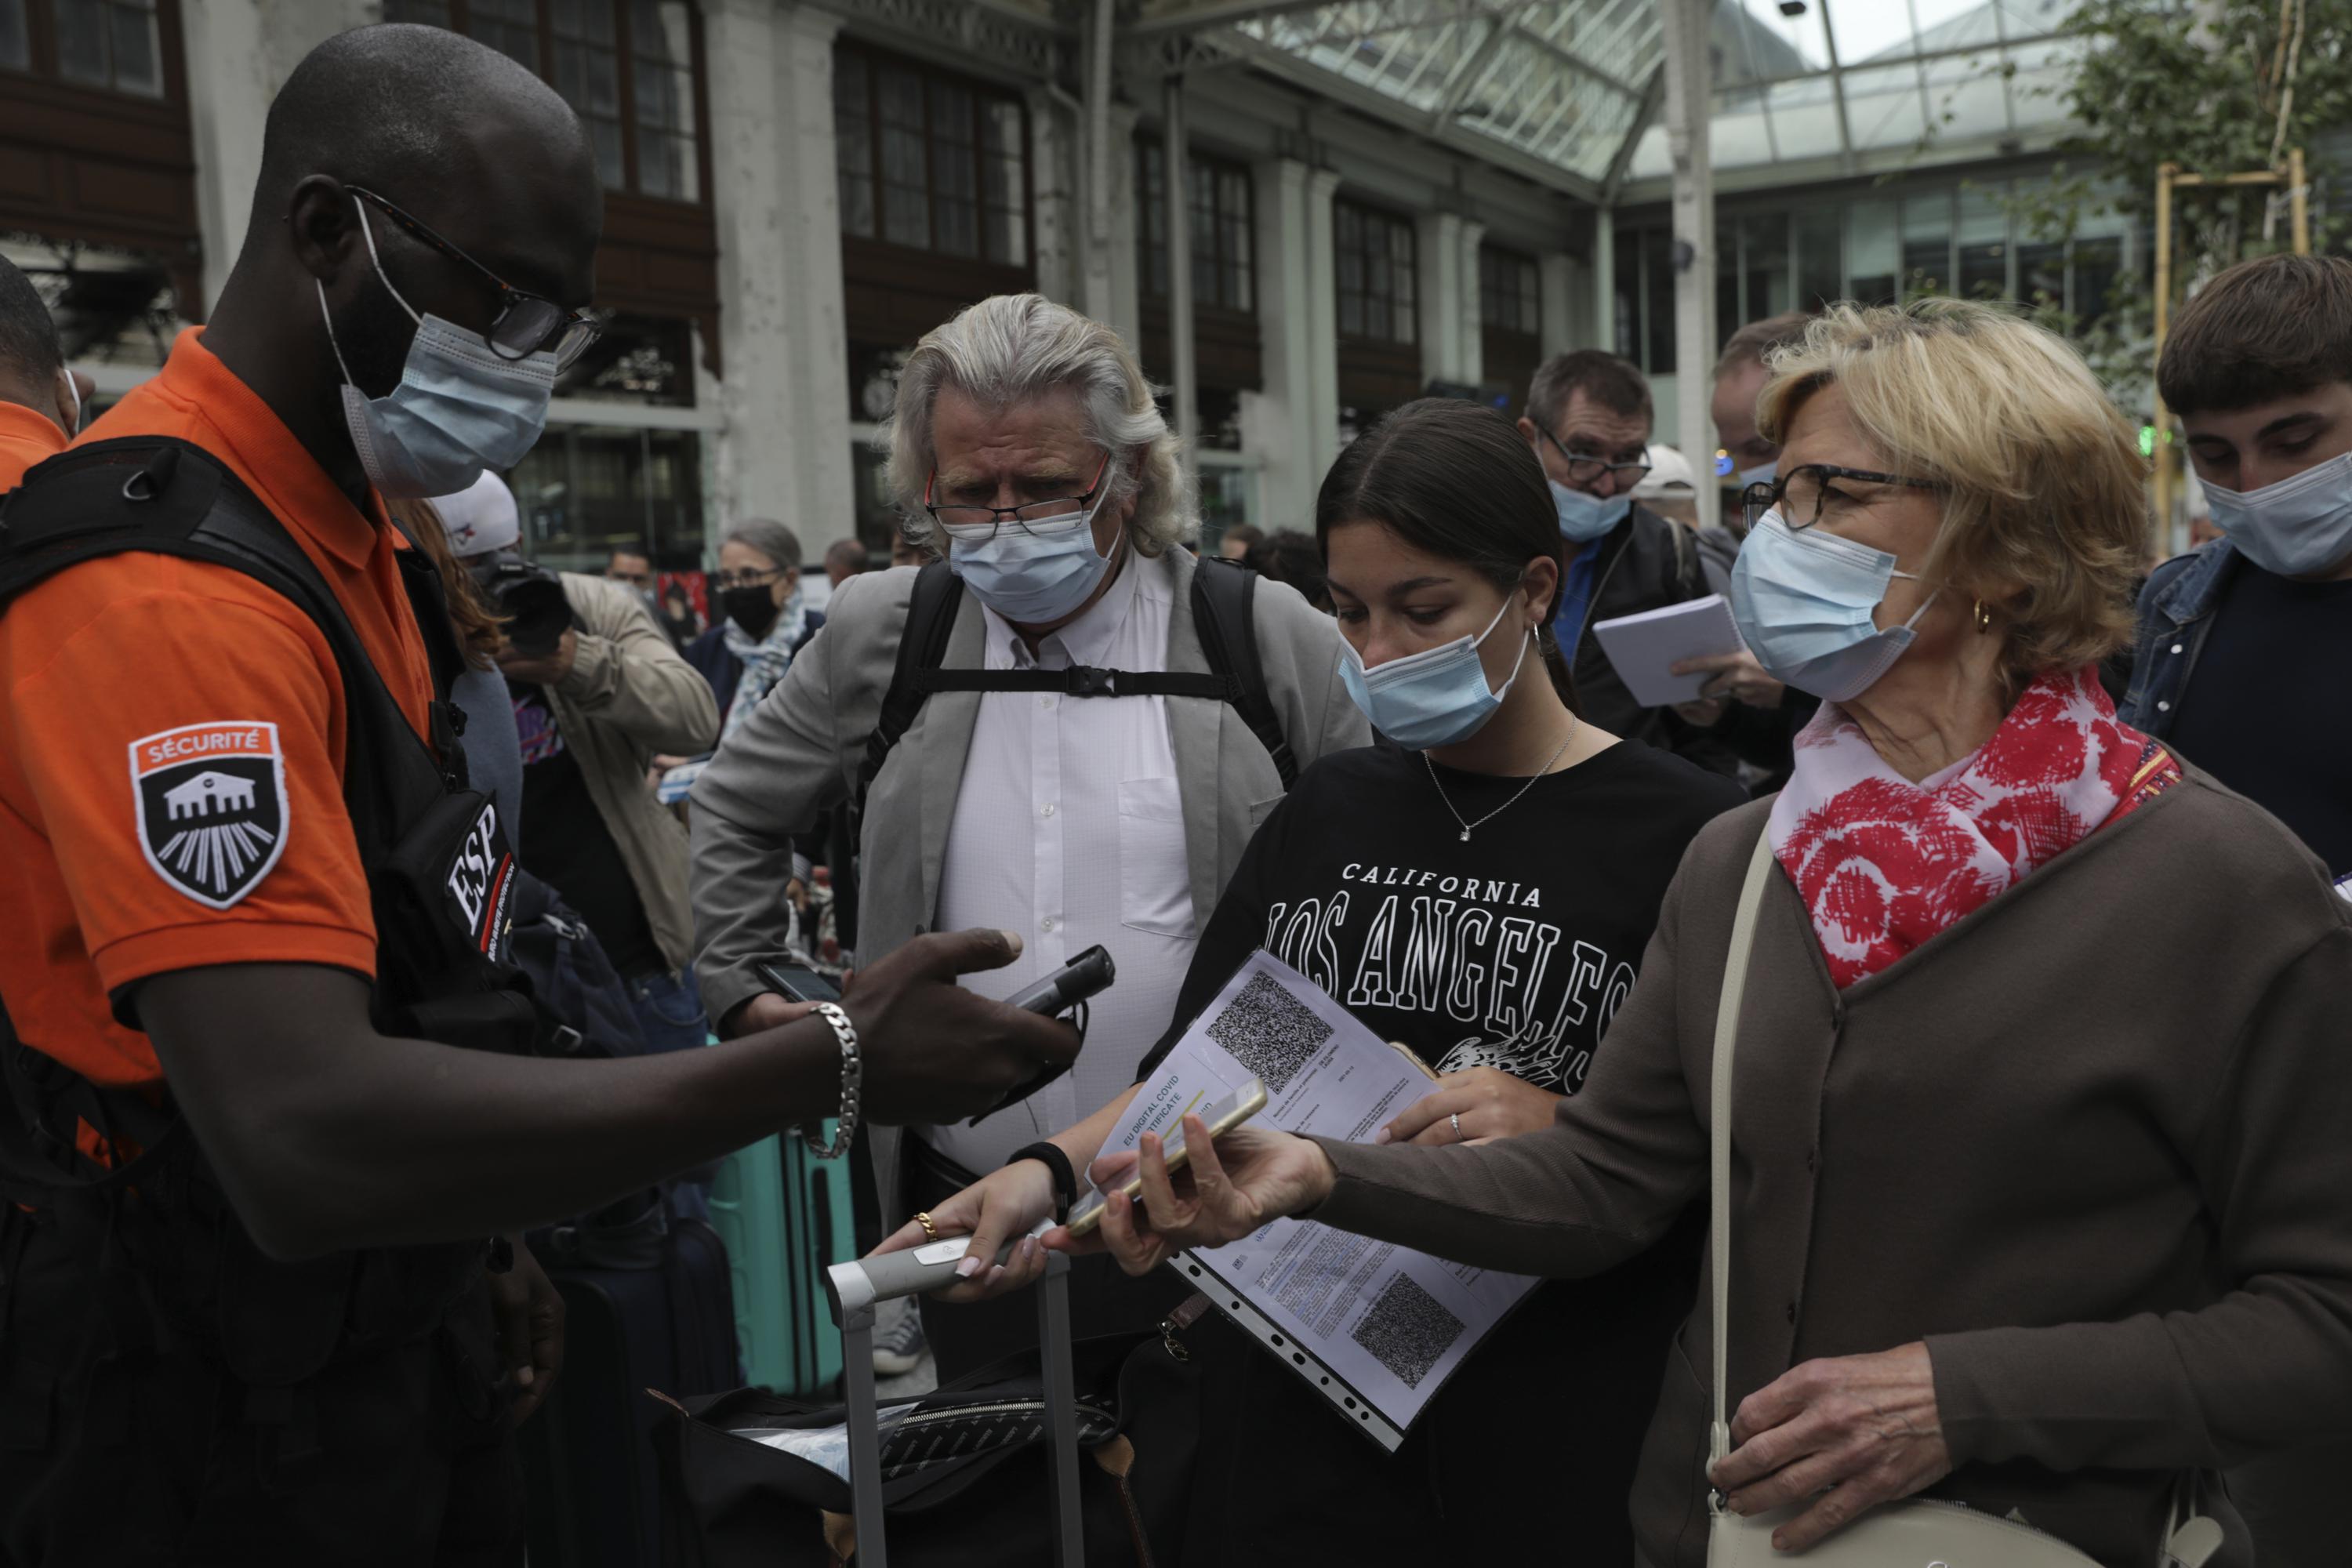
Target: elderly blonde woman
(2040,1140)
(1035,795)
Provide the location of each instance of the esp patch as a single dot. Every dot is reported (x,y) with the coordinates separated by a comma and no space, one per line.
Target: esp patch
(212,807)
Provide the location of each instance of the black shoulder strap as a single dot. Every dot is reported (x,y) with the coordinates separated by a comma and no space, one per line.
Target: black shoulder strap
(1222,597)
(157,495)
(931,616)
(1223,593)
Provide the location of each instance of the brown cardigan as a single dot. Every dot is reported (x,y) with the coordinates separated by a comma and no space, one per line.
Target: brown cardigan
(2093,1143)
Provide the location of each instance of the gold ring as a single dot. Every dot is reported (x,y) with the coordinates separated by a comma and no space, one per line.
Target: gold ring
(930,1231)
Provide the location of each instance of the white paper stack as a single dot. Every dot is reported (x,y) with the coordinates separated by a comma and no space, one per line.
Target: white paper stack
(1644,648)
(1375,1329)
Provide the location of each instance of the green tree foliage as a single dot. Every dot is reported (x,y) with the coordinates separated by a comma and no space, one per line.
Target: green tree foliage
(2215,87)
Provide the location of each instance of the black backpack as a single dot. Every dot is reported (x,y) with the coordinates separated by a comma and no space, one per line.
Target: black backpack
(1223,595)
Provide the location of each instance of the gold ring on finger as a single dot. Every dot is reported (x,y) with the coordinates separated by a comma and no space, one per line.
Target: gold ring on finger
(930,1231)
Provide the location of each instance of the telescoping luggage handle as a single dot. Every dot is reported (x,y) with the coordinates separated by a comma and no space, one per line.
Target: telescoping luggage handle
(856,1288)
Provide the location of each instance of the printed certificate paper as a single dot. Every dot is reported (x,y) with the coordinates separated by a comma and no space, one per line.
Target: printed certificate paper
(1376,1329)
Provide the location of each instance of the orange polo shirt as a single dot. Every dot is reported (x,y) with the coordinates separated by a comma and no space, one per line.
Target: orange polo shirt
(172,744)
(26,438)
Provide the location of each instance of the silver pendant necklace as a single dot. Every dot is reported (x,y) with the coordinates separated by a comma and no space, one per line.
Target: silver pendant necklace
(1506,805)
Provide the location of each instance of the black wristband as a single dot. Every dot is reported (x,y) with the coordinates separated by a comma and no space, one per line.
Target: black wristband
(1065,1180)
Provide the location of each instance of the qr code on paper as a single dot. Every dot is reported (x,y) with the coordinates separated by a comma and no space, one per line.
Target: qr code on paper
(1407,1330)
(1270,1032)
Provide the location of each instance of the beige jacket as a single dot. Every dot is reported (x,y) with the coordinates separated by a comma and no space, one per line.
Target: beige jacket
(2092,1144)
(630,696)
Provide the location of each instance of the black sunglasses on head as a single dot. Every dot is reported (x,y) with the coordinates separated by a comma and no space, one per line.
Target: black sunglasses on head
(526,322)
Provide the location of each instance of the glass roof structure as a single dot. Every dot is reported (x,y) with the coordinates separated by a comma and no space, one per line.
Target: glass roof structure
(1569,90)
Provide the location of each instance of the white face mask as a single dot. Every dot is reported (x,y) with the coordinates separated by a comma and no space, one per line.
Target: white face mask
(460,407)
(1434,698)
(2299,527)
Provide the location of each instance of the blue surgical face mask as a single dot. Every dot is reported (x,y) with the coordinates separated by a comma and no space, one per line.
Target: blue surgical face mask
(1437,697)
(1035,573)
(1804,602)
(460,407)
(1759,474)
(1585,518)
(2298,527)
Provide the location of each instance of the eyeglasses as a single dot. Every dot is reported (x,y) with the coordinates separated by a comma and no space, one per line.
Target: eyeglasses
(962,521)
(526,322)
(1583,468)
(1807,488)
(724,581)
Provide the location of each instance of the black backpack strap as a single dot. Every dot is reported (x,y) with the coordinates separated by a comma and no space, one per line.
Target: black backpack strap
(1223,594)
(931,616)
(1077,680)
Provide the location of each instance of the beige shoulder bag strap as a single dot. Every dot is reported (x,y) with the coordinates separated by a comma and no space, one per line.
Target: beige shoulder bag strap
(1911,1531)
(1727,1037)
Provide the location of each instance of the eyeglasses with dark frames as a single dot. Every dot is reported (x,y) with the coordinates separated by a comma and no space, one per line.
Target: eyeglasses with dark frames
(1583,468)
(1028,516)
(1808,488)
(526,322)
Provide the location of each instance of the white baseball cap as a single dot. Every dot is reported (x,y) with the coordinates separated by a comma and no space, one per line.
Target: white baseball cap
(481,518)
(1670,474)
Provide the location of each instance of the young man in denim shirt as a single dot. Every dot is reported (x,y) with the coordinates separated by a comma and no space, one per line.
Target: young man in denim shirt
(2242,643)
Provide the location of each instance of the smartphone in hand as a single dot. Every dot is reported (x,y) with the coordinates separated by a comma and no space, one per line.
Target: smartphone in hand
(1222,1117)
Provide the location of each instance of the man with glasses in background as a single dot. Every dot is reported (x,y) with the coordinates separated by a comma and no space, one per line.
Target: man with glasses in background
(1074,772)
(1589,422)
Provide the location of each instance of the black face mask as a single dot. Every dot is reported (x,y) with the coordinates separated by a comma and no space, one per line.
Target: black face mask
(753,609)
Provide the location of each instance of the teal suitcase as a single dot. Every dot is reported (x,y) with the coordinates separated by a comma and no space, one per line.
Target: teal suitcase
(786,1218)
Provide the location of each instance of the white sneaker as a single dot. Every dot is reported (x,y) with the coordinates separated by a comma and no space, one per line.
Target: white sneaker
(899,1341)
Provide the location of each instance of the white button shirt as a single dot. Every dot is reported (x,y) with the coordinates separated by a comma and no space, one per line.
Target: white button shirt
(1068,830)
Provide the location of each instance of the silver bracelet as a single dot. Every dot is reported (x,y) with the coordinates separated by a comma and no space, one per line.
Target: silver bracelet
(852,1076)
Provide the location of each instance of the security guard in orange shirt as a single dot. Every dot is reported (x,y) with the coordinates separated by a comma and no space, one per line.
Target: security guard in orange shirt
(268,1088)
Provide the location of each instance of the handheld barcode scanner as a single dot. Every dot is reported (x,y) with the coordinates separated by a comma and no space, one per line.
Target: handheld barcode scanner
(1086,975)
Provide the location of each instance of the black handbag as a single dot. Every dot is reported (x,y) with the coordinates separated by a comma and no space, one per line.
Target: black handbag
(965,1480)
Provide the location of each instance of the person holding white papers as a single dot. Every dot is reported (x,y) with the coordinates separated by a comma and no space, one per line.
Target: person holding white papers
(1589,423)
(2035,1137)
(1485,897)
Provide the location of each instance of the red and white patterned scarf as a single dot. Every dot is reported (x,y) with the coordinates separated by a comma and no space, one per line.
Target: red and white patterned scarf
(1884,864)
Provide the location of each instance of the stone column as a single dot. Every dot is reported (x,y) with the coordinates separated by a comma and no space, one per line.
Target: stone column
(1321,441)
(240,53)
(1437,263)
(1055,203)
(1473,352)
(784,448)
(1293,423)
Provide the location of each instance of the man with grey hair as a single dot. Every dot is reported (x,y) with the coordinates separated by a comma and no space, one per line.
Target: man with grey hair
(1081,735)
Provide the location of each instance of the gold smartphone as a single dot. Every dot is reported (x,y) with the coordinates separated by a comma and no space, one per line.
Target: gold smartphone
(1222,1118)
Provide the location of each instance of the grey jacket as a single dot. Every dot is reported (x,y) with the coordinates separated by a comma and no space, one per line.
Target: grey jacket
(630,696)
(802,751)
(2092,1144)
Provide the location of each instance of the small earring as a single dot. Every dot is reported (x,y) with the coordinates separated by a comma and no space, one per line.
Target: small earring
(1984,618)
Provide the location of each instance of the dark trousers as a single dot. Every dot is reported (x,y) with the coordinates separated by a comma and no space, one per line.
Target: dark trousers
(155,1455)
(1103,1300)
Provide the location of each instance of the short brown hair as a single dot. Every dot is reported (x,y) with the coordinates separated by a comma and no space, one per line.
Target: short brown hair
(2045,517)
(2268,327)
(1752,343)
(1602,376)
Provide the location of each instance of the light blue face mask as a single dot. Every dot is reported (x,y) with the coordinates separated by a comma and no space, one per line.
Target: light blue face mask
(1437,697)
(460,407)
(1032,574)
(1804,602)
(1585,518)
(2299,527)
(1760,474)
